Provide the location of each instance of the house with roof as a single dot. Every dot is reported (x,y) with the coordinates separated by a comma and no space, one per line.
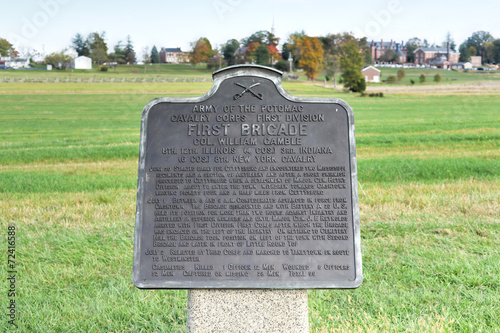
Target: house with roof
(379,49)
(14,62)
(173,55)
(461,65)
(81,62)
(371,74)
(440,57)
(240,55)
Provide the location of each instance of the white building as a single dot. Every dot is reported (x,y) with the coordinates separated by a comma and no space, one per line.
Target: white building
(14,62)
(461,65)
(82,62)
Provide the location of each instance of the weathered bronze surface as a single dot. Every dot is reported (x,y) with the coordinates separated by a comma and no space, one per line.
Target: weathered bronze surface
(247,187)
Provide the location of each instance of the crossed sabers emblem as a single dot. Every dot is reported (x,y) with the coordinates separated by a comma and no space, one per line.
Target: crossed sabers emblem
(247,89)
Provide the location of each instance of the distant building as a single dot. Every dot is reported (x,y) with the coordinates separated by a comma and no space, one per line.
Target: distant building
(81,62)
(461,65)
(173,55)
(240,55)
(371,74)
(276,42)
(401,53)
(441,62)
(14,62)
(378,50)
(433,56)
(476,61)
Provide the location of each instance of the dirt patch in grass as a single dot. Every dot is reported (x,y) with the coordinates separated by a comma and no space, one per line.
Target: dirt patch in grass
(481,87)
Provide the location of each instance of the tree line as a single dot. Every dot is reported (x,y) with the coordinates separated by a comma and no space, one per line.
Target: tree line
(95,47)
(334,54)
(480,43)
(338,56)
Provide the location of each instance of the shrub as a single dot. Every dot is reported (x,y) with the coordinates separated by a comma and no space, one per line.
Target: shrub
(437,78)
(358,86)
(103,68)
(412,81)
(379,94)
(422,78)
(401,74)
(391,79)
(216,62)
(281,65)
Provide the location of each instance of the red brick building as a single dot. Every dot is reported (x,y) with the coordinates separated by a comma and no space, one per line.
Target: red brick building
(436,56)
(173,55)
(379,49)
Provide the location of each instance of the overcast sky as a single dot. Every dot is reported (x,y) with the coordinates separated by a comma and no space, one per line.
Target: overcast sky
(50,25)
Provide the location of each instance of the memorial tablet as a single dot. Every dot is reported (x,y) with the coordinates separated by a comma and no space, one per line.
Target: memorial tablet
(247,187)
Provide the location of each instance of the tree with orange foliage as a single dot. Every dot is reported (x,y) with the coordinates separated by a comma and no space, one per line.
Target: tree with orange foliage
(311,55)
(274,53)
(250,54)
(202,51)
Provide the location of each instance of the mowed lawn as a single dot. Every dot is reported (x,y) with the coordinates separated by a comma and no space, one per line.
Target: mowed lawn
(429,191)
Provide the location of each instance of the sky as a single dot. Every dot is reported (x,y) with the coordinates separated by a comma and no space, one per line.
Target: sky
(49,25)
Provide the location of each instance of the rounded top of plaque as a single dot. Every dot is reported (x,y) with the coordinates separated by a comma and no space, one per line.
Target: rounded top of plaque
(246,69)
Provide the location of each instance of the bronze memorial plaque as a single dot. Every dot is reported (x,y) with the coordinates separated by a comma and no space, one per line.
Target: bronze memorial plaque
(247,187)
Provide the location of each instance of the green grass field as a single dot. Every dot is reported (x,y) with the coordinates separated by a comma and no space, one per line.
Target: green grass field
(429,191)
(447,76)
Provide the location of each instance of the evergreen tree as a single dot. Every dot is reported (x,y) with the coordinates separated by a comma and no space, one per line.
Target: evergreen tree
(80,45)
(155,56)
(285,51)
(118,55)
(129,52)
(228,51)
